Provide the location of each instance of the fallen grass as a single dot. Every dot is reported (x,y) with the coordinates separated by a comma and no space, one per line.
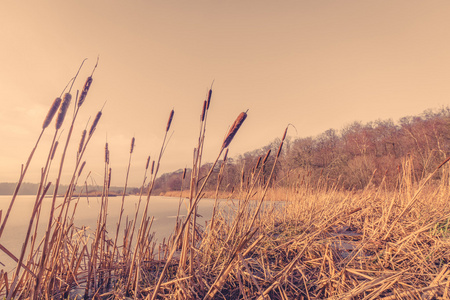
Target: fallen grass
(322,242)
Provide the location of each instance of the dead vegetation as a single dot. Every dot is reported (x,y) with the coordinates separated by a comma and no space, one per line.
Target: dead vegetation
(322,242)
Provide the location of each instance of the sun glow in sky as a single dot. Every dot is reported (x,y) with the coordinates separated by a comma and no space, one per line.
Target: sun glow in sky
(315,64)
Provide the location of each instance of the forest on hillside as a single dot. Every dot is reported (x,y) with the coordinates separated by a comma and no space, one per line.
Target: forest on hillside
(359,154)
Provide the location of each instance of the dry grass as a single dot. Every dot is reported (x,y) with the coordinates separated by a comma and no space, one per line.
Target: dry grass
(321,242)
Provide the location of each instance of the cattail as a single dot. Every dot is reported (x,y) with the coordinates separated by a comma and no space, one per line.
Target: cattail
(170,120)
(203,111)
(279,149)
(258,162)
(267,156)
(86,87)
(106,154)
(209,98)
(132,145)
(94,125)
(109,178)
(54,150)
(63,109)
(148,162)
(184,173)
(234,129)
(51,113)
(153,167)
(281,144)
(81,168)
(83,137)
(284,135)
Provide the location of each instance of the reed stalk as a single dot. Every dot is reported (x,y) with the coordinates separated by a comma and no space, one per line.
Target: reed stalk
(141,230)
(123,196)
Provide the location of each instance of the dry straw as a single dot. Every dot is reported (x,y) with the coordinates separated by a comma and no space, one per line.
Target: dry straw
(311,248)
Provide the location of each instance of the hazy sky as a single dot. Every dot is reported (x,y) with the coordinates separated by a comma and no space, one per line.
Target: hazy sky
(315,64)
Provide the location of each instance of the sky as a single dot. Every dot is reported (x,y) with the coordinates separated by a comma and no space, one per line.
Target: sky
(314,64)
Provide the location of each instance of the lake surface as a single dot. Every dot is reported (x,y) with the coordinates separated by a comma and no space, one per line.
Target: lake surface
(163,209)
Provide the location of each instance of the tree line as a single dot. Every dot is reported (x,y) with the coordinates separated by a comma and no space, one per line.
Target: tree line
(359,154)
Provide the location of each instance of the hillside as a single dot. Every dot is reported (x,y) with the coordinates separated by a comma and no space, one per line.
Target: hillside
(352,157)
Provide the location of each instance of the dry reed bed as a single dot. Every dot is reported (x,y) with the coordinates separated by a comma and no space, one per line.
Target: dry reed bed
(323,242)
(333,244)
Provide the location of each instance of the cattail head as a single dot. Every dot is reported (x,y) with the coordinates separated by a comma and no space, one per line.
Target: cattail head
(258,162)
(51,113)
(132,145)
(267,156)
(63,110)
(81,168)
(280,148)
(234,129)
(106,153)
(85,90)
(202,118)
(80,146)
(153,167)
(109,178)
(184,173)
(282,142)
(94,124)
(54,150)
(67,97)
(169,122)
(148,162)
(209,98)
(284,135)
